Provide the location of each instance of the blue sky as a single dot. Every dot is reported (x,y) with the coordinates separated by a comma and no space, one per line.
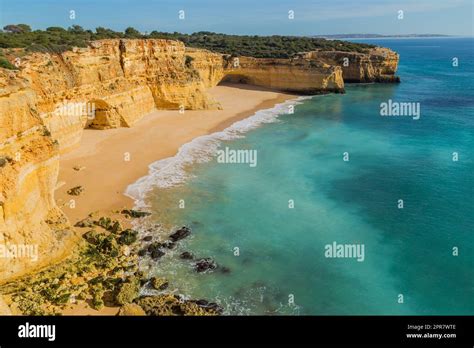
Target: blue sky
(261,17)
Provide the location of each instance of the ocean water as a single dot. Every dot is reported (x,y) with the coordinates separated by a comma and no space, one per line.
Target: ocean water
(280,265)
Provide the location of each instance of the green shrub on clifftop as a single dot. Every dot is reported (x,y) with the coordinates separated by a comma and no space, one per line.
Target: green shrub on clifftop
(56,39)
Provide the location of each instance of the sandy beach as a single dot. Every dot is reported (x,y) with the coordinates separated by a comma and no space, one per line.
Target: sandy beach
(105,173)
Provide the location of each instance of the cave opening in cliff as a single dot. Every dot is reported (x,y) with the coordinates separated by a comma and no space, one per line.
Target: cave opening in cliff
(103,116)
(234,79)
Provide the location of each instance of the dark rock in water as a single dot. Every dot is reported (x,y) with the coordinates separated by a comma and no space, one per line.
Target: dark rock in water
(186,255)
(247,261)
(154,246)
(135,213)
(224,269)
(156,254)
(148,238)
(205,264)
(202,303)
(214,306)
(169,244)
(142,252)
(182,233)
(209,305)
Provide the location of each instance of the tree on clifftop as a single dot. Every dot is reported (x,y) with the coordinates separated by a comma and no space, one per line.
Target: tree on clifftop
(17,28)
(132,33)
(76,29)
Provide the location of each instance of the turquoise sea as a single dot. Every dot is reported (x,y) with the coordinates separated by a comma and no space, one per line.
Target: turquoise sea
(280,265)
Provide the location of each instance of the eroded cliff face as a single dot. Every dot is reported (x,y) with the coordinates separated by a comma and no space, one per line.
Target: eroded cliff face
(298,75)
(377,65)
(45,106)
(32,228)
(122,80)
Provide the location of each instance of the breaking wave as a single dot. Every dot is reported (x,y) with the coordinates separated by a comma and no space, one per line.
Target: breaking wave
(171,171)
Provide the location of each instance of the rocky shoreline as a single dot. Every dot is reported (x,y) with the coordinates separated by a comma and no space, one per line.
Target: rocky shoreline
(104,272)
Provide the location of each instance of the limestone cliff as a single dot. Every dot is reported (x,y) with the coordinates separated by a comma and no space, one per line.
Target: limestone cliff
(377,65)
(297,75)
(28,171)
(121,80)
(209,65)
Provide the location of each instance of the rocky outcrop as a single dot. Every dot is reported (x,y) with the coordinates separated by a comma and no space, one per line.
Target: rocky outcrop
(377,65)
(297,75)
(209,65)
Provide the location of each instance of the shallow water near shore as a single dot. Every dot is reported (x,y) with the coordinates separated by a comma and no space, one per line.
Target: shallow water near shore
(281,250)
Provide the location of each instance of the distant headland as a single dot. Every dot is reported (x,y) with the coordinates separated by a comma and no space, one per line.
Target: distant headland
(377,36)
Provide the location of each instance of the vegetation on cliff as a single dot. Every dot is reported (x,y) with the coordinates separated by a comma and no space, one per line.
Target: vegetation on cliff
(103,272)
(5,63)
(59,39)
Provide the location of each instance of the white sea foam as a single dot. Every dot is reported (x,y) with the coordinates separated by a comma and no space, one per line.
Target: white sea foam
(171,171)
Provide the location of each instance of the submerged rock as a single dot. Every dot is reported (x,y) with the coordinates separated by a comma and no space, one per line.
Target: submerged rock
(186,255)
(209,305)
(156,254)
(205,264)
(169,244)
(135,213)
(224,269)
(182,233)
(154,246)
(148,238)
